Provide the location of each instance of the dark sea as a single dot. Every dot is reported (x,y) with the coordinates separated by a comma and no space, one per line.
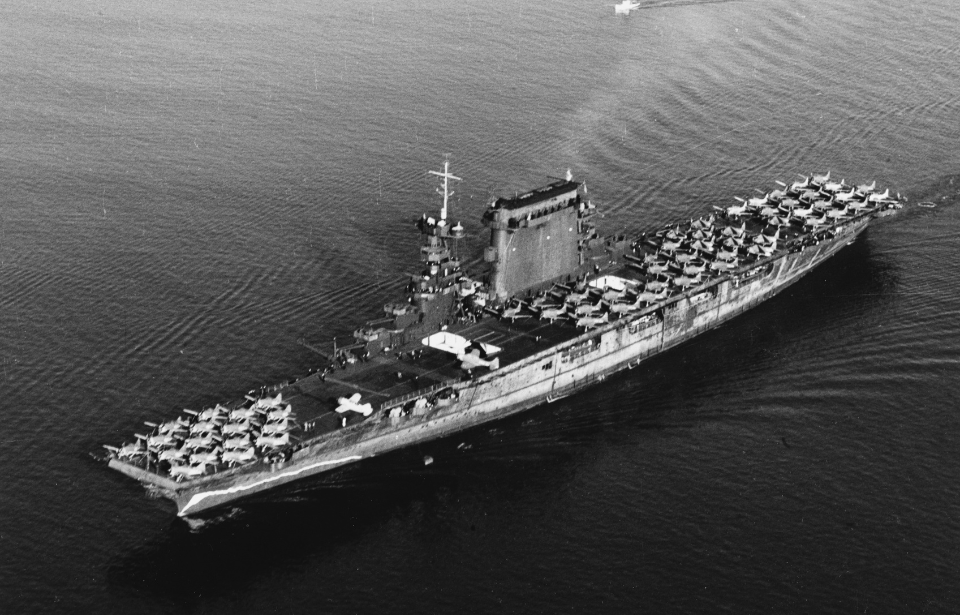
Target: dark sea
(188,188)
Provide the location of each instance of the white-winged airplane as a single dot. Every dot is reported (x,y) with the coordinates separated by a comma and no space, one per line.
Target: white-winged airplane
(655,286)
(213,414)
(612,294)
(734,210)
(210,456)
(625,306)
(574,295)
(268,402)
(589,322)
(240,455)
(237,427)
(243,441)
(280,413)
(243,413)
(178,455)
(625,7)
(472,359)
(161,440)
(834,186)
(353,404)
(588,309)
(553,312)
(512,311)
(201,440)
(128,451)
(202,426)
(273,440)
(180,471)
(276,426)
(174,426)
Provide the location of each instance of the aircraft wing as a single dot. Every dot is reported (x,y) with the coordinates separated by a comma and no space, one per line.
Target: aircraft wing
(455,344)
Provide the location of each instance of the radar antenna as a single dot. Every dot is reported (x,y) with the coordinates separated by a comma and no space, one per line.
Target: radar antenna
(446,175)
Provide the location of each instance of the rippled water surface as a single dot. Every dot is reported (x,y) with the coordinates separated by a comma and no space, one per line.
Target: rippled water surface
(187,188)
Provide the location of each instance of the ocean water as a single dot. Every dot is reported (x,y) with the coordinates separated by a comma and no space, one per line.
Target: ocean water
(188,188)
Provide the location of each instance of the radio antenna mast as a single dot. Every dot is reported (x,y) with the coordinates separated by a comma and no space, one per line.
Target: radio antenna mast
(446,175)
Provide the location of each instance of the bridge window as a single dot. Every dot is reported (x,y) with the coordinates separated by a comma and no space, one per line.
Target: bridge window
(547,365)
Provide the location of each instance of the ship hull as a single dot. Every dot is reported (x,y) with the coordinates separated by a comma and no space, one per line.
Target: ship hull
(543,377)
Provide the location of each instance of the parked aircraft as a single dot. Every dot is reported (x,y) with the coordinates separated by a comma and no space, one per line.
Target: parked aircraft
(472,359)
(352,404)
(273,441)
(179,471)
(589,322)
(552,312)
(240,455)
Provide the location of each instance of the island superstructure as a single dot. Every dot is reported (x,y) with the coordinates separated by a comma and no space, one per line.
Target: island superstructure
(558,309)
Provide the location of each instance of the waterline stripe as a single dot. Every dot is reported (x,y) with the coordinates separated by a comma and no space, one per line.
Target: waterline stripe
(199,497)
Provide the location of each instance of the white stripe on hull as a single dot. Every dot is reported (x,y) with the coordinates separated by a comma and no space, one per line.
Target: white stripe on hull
(259,485)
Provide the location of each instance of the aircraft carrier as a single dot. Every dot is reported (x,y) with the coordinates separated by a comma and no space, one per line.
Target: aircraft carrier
(559,308)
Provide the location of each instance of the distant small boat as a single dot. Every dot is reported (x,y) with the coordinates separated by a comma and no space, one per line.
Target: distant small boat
(625,7)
